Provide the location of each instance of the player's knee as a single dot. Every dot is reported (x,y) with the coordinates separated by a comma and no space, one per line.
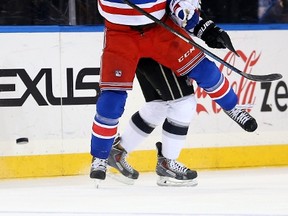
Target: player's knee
(183,110)
(154,112)
(111,104)
(206,74)
(149,116)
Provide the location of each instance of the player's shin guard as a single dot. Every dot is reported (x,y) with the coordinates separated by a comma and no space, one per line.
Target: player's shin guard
(209,77)
(101,143)
(173,138)
(136,132)
(110,106)
(223,94)
(102,138)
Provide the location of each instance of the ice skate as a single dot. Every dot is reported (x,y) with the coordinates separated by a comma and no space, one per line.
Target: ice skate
(98,170)
(117,160)
(172,173)
(242,118)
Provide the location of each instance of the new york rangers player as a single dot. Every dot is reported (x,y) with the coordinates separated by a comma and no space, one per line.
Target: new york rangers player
(130,36)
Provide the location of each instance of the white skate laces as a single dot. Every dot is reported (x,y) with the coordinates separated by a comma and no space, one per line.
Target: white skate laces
(242,117)
(239,116)
(176,166)
(100,164)
(124,162)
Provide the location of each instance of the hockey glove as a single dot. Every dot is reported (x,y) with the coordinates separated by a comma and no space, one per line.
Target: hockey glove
(213,36)
(185,13)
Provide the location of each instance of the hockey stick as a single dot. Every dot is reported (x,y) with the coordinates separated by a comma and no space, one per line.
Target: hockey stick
(258,78)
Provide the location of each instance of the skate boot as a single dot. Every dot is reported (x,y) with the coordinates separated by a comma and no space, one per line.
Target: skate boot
(242,118)
(117,160)
(172,173)
(98,168)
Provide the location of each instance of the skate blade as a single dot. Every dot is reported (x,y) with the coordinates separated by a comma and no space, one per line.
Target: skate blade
(121,178)
(97,183)
(167,181)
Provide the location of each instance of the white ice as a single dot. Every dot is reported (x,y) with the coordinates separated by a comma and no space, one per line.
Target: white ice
(238,192)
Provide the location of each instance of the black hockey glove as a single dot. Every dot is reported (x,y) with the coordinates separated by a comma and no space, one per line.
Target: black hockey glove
(213,36)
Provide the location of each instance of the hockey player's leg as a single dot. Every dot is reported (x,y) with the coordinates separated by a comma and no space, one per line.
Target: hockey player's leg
(110,107)
(208,76)
(135,133)
(171,172)
(118,160)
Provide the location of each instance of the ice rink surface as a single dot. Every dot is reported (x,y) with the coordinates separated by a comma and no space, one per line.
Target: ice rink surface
(240,192)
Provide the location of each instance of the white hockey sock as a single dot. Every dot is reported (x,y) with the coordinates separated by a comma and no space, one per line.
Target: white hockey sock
(172,145)
(132,137)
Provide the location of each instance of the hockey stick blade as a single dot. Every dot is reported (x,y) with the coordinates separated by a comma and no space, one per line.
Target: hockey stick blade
(263,78)
(257,78)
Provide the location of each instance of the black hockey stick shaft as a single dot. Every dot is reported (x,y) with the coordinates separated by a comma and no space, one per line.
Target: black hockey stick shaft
(258,78)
